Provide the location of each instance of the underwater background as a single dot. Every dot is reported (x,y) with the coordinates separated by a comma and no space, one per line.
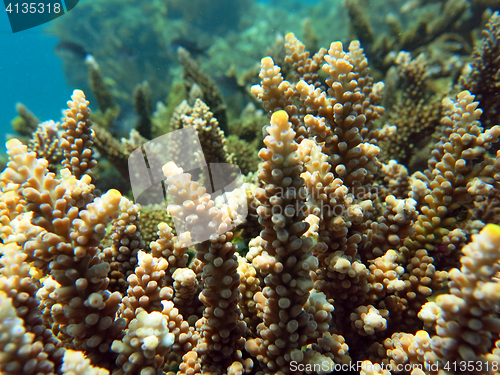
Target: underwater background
(30,59)
(251,187)
(29,70)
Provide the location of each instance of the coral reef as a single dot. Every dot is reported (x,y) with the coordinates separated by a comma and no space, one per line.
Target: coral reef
(354,261)
(416,113)
(484,78)
(440,28)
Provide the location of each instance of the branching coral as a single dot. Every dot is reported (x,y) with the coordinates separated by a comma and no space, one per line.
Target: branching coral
(286,326)
(465,322)
(416,113)
(484,78)
(442,23)
(346,267)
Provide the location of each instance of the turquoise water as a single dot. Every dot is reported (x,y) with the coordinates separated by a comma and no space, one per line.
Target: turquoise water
(30,72)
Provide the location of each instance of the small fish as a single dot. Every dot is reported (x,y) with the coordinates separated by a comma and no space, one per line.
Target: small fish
(126,53)
(193,47)
(71,49)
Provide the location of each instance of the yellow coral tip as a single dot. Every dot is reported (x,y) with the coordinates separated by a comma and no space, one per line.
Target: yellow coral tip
(491,230)
(267,62)
(279,117)
(114,193)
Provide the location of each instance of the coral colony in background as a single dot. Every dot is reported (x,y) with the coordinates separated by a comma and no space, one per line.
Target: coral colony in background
(371,242)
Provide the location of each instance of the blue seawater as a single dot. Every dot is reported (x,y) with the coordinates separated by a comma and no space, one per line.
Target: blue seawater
(30,73)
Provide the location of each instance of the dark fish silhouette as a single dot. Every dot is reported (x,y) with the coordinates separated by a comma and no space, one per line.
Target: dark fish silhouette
(193,47)
(74,50)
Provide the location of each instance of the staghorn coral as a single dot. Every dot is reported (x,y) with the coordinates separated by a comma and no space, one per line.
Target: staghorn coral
(208,90)
(288,283)
(483,80)
(104,98)
(26,122)
(460,171)
(465,321)
(76,138)
(126,243)
(45,142)
(208,129)
(144,107)
(444,23)
(346,267)
(416,114)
